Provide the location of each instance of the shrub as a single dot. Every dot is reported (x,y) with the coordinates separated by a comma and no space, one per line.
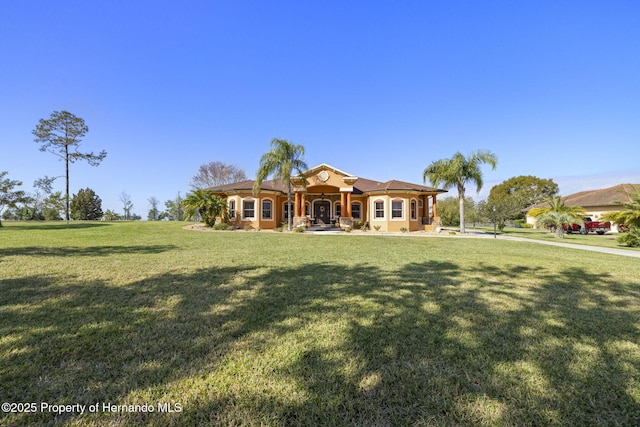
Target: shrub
(300,229)
(630,239)
(521,223)
(357,224)
(377,227)
(404,229)
(222,226)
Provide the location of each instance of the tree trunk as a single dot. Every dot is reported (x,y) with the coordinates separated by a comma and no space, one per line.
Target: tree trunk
(461,201)
(66,161)
(289,217)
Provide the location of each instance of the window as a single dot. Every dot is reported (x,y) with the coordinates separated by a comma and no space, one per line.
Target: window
(355,210)
(248,209)
(379,209)
(232,209)
(267,209)
(338,210)
(285,211)
(397,206)
(414,209)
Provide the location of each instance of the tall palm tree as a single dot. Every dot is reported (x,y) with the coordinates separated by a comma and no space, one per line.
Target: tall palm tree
(281,161)
(558,215)
(457,171)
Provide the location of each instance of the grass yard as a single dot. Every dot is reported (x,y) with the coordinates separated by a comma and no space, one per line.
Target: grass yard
(606,241)
(261,328)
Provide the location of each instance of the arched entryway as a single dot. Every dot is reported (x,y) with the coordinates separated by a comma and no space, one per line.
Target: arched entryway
(322,211)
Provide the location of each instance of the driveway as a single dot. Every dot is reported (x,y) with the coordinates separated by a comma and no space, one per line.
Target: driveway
(612,251)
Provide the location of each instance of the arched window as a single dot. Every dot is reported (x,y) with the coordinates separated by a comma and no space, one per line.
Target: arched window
(397,209)
(285,210)
(413,207)
(248,209)
(356,210)
(378,209)
(232,209)
(267,209)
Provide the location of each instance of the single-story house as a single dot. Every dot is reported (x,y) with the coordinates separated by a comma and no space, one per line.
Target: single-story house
(598,202)
(333,197)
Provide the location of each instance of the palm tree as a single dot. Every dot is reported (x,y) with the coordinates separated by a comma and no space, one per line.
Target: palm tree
(629,217)
(557,215)
(281,161)
(457,171)
(206,205)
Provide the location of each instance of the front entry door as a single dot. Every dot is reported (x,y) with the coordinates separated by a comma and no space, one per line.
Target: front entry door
(322,212)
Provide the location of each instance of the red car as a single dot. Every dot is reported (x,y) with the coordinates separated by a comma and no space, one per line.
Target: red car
(589,226)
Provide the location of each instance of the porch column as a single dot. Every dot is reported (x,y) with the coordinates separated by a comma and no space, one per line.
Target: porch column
(296,205)
(343,204)
(303,205)
(348,202)
(425,207)
(435,206)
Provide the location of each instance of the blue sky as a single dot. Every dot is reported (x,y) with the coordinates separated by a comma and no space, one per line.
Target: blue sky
(378,89)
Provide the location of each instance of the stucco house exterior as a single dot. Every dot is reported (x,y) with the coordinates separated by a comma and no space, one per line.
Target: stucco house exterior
(333,197)
(598,202)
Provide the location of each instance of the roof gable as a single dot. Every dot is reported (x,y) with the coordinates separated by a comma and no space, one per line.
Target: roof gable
(324,166)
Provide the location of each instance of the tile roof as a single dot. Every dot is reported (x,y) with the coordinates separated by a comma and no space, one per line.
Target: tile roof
(361,185)
(611,196)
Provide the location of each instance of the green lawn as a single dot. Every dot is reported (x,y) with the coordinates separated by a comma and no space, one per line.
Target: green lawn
(261,328)
(606,241)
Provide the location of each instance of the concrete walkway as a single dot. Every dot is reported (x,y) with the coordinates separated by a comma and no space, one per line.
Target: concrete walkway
(612,251)
(485,235)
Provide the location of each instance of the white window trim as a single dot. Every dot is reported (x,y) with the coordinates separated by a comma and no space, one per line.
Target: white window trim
(384,210)
(234,210)
(255,208)
(404,215)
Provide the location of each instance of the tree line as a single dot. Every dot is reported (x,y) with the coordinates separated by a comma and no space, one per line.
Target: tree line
(43,204)
(62,134)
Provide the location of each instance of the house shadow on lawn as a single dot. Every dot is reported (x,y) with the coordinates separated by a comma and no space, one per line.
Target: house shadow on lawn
(426,343)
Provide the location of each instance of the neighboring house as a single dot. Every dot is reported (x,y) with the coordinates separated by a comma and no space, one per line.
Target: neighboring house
(333,197)
(598,202)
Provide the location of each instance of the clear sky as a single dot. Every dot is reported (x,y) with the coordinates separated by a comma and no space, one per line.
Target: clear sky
(377,89)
